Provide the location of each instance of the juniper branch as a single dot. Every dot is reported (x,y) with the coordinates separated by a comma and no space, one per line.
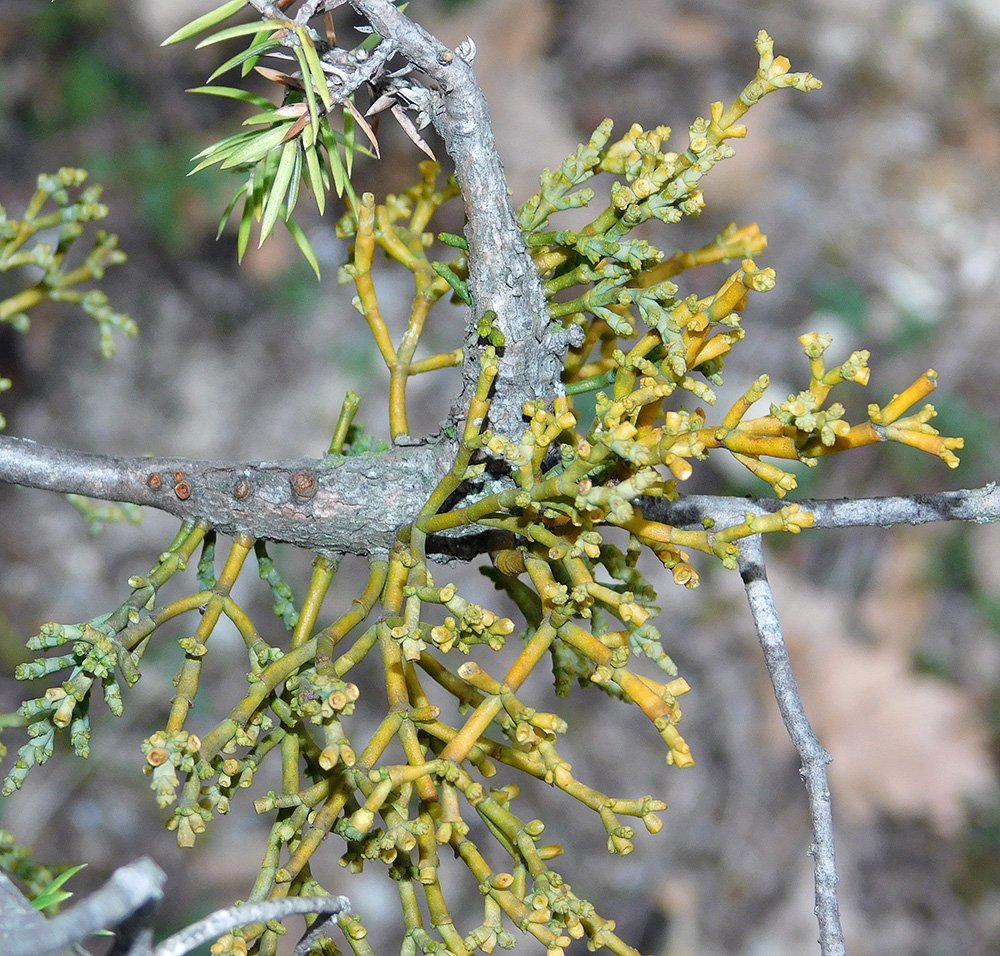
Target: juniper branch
(502,275)
(349,510)
(337,504)
(355,505)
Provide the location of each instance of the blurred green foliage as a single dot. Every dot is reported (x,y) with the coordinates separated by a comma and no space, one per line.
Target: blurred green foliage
(93,98)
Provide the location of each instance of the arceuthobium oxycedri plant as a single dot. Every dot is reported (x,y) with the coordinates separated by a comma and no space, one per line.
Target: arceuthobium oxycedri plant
(59,210)
(562,501)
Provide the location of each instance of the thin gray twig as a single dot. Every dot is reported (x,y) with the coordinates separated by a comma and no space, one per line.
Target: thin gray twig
(980,505)
(814,757)
(222,921)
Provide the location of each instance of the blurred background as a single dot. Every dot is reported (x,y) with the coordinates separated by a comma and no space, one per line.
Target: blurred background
(880,195)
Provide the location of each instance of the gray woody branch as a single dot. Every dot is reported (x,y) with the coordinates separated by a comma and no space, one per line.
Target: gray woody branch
(127,903)
(502,274)
(980,505)
(356,505)
(131,889)
(352,505)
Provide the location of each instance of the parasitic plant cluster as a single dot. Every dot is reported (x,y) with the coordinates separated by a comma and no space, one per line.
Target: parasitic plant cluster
(563,505)
(24,246)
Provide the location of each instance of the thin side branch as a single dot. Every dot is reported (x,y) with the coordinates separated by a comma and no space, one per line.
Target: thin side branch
(814,756)
(981,505)
(259,912)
